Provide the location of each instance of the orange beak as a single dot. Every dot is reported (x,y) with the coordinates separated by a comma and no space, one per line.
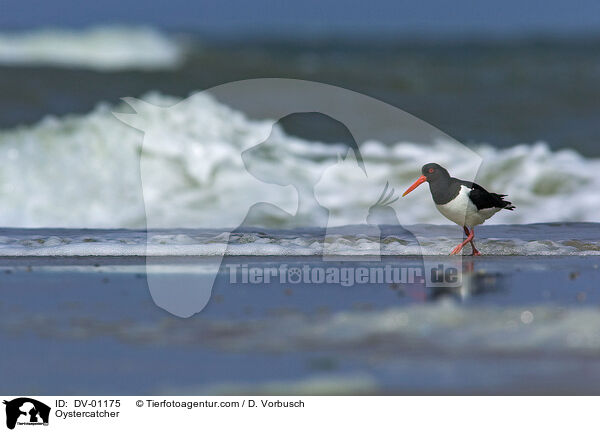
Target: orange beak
(419,181)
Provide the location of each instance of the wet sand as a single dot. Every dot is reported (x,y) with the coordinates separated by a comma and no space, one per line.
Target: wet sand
(517,325)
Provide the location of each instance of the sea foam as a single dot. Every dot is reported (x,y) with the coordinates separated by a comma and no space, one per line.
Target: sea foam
(574,239)
(100,48)
(84,171)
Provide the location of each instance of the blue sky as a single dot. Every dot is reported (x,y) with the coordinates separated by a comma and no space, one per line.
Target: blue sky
(307,16)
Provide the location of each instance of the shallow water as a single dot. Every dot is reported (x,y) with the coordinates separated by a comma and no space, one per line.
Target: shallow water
(518,325)
(559,239)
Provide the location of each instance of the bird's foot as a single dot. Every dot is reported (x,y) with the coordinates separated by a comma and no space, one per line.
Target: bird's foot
(476,253)
(456,250)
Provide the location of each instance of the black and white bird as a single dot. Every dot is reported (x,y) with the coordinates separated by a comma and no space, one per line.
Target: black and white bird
(464,203)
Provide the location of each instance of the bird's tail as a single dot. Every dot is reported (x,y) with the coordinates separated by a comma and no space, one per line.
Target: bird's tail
(505,204)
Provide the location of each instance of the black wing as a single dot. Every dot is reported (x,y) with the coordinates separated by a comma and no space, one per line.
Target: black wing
(484,199)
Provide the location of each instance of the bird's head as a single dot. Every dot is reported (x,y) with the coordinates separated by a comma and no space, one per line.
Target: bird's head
(431,173)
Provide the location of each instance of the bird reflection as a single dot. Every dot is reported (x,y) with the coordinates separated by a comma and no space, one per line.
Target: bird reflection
(474,283)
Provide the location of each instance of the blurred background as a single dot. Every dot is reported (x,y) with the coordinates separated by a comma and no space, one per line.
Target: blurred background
(516,81)
(500,73)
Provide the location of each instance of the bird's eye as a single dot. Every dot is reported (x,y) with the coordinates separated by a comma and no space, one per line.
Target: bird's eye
(431,170)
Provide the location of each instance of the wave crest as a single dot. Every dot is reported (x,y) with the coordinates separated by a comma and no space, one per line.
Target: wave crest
(100,48)
(84,171)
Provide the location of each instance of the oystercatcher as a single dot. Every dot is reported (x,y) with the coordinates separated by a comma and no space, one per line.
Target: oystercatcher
(464,203)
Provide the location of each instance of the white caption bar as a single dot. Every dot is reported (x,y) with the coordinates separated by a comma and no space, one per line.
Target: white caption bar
(301,413)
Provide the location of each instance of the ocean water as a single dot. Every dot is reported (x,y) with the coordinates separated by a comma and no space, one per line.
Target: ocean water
(84,171)
(101,48)
(92,208)
(527,108)
(568,239)
(501,92)
(518,325)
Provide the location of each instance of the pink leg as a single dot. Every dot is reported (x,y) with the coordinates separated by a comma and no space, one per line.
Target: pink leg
(475,251)
(458,248)
(470,236)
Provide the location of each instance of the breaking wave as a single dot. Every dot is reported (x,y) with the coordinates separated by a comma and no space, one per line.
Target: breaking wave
(84,171)
(100,48)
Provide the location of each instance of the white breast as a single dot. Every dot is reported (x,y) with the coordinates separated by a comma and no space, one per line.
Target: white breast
(463,212)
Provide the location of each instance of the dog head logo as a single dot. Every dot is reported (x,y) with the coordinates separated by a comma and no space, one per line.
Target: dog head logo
(26,411)
(253,153)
